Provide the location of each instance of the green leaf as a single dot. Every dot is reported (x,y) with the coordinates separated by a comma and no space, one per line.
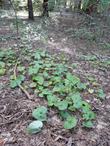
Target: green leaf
(71,108)
(89,115)
(77,104)
(17,81)
(59,88)
(37,56)
(40,113)
(34,69)
(39,79)
(43,53)
(81,86)
(45,74)
(2,64)
(76,97)
(88,124)
(77,100)
(52,100)
(56,79)
(34,127)
(64,115)
(72,78)
(2,71)
(70,123)
(20,78)
(13,84)
(46,92)
(85,107)
(62,105)
(101,94)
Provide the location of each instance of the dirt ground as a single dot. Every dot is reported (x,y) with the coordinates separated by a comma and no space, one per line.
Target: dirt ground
(63,35)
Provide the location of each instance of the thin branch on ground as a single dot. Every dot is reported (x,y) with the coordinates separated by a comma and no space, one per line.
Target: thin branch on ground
(20,86)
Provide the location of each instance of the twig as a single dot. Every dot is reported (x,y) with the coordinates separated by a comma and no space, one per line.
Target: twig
(13,120)
(20,86)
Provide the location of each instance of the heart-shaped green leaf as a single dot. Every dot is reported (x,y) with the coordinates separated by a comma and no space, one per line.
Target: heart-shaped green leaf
(70,123)
(40,113)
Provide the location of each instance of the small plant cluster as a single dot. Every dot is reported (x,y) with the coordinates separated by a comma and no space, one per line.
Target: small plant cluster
(55,83)
(5,57)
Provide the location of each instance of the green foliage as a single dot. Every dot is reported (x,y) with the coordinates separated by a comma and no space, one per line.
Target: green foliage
(16,82)
(6,54)
(52,100)
(70,123)
(2,68)
(2,71)
(39,79)
(6,57)
(62,105)
(54,82)
(34,70)
(88,124)
(100,6)
(34,127)
(101,94)
(40,113)
(2,64)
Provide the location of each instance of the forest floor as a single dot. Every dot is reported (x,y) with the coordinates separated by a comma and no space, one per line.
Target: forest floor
(78,39)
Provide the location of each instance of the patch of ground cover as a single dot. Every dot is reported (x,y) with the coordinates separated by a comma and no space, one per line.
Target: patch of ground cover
(13,129)
(23,108)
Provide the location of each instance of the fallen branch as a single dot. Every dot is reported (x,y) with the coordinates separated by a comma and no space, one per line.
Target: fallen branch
(20,86)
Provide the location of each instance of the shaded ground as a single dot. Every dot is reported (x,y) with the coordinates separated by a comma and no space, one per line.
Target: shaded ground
(74,38)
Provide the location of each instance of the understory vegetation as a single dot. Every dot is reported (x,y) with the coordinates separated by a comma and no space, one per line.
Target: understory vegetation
(55,83)
(54,72)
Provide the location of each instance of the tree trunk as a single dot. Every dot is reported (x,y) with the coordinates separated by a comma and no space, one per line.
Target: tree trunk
(79,4)
(45,8)
(30,10)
